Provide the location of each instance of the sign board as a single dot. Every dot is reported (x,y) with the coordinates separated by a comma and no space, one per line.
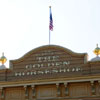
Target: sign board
(48,59)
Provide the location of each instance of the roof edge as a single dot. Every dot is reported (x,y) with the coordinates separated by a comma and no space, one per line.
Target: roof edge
(48,46)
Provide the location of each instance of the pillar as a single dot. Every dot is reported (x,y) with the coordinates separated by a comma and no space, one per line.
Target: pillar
(93,88)
(26,92)
(99,87)
(33,91)
(2,93)
(66,89)
(58,89)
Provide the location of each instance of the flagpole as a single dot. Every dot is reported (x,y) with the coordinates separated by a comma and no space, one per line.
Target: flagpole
(50,25)
(49,36)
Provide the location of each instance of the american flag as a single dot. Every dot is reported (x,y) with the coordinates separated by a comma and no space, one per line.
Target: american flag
(51,21)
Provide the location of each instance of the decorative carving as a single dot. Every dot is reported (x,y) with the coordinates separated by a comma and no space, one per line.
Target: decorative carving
(26,92)
(66,89)
(58,89)
(93,88)
(99,86)
(33,91)
(2,93)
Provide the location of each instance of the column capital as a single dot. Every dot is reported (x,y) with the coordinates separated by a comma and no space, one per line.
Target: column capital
(25,86)
(65,83)
(33,86)
(57,84)
(92,82)
(1,88)
(99,81)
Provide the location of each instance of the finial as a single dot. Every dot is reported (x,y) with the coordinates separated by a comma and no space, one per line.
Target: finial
(97,45)
(3,59)
(3,54)
(97,50)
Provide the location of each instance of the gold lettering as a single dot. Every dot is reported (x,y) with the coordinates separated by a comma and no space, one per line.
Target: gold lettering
(31,73)
(47,71)
(39,59)
(54,58)
(58,63)
(34,66)
(47,58)
(49,64)
(41,65)
(55,71)
(34,73)
(20,74)
(27,66)
(52,64)
(38,65)
(23,73)
(16,74)
(28,73)
(30,66)
(62,70)
(68,70)
(66,63)
(40,72)
(73,69)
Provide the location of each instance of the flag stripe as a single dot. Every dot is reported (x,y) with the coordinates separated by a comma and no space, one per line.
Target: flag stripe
(51,21)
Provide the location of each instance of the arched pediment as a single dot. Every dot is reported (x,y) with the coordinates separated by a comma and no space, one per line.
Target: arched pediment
(48,54)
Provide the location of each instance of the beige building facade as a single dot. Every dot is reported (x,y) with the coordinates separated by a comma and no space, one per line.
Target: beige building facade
(51,72)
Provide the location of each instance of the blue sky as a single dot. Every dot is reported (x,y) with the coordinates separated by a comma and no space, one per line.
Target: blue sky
(24,25)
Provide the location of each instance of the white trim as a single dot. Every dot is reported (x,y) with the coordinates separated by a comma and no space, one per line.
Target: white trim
(54,82)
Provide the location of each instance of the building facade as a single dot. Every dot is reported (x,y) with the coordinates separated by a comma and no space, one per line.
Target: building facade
(51,72)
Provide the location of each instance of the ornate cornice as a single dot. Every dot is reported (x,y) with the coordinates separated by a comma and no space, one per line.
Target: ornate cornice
(51,81)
